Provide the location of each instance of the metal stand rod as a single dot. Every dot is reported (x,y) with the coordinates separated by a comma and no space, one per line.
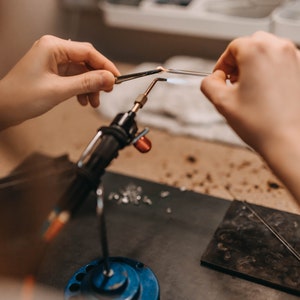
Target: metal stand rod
(103,232)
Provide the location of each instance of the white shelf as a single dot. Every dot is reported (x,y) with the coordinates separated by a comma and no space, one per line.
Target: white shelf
(199,18)
(286,21)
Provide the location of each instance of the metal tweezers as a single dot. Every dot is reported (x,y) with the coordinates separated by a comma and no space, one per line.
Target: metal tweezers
(122,78)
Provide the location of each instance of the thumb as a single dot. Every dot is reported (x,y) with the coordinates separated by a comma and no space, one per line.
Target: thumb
(214,87)
(88,82)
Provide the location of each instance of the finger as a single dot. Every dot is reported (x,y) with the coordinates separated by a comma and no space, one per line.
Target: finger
(86,83)
(233,57)
(85,52)
(67,50)
(213,85)
(82,99)
(227,63)
(244,51)
(94,99)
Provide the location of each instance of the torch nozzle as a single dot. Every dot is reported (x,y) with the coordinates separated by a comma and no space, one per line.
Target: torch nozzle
(142,98)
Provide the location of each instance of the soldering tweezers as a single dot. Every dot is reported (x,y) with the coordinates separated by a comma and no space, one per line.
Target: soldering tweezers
(131,76)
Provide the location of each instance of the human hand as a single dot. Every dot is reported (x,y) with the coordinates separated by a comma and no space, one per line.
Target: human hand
(262,102)
(52,71)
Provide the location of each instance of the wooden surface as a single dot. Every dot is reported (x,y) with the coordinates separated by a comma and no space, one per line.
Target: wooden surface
(207,167)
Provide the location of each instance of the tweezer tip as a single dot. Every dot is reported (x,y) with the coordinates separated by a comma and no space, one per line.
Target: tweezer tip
(161,69)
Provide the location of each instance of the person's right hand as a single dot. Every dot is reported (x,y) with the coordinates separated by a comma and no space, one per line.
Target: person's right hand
(262,102)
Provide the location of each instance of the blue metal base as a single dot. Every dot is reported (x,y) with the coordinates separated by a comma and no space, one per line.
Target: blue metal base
(128,279)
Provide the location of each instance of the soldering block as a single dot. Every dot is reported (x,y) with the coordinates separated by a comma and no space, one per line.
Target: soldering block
(244,246)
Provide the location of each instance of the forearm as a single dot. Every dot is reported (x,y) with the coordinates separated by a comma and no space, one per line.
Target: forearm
(283,157)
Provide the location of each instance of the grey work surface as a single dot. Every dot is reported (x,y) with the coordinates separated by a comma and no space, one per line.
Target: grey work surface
(171,244)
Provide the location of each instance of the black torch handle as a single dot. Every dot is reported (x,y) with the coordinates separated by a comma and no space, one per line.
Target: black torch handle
(114,138)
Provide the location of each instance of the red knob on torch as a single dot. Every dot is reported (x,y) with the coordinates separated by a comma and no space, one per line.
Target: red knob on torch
(143,144)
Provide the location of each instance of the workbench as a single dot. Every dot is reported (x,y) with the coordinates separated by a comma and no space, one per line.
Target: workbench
(211,168)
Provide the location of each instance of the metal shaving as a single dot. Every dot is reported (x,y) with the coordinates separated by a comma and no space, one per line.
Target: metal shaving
(131,194)
(169,210)
(164,194)
(147,200)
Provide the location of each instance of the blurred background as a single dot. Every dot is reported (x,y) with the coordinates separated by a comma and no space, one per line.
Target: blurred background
(22,22)
(141,30)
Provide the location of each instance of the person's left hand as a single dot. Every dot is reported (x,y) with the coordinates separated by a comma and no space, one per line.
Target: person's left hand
(52,71)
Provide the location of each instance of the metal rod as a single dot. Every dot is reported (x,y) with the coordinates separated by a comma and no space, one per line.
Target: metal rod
(150,87)
(142,98)
(289,247)
(186,72)
(103,231)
